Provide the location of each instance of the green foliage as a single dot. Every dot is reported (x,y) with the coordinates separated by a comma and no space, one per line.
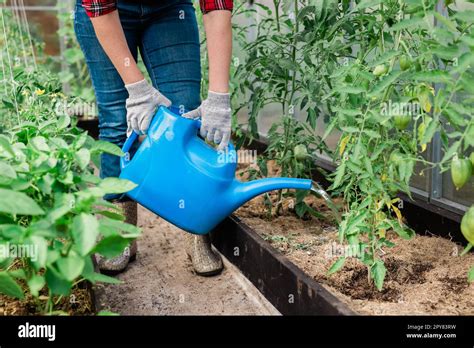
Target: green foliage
(74,71)
(50,198)
(363,68)
(51,205)
(376,157)
(289,141)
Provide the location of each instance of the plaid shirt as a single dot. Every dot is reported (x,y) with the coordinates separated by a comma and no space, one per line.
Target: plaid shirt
(97,8)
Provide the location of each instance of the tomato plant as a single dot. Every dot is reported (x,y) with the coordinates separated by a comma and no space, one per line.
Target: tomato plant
(289,142)
(349,64)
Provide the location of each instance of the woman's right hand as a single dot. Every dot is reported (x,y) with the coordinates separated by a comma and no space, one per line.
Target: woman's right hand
(141,105)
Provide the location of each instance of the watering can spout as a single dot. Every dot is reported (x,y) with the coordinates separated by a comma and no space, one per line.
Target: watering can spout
(244,192)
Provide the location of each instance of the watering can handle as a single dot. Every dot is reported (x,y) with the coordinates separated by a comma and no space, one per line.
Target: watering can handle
(198,125)
(125,159)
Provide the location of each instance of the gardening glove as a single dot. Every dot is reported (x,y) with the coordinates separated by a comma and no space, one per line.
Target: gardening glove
(141,105)
(215,116)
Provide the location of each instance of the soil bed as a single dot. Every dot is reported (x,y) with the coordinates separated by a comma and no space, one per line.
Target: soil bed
(80,302)
(425,275)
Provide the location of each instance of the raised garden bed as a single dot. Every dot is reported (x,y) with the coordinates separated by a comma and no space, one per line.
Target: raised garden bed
(285,255)
(286,286)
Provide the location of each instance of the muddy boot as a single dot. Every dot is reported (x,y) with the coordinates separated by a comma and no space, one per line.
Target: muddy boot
(119,263)
(205,261)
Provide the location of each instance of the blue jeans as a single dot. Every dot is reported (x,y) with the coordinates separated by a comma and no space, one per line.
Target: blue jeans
(166,35)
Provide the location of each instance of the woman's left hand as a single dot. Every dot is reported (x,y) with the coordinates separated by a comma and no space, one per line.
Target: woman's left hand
(216,118)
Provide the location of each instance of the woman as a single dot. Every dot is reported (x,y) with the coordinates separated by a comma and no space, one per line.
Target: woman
(111,34)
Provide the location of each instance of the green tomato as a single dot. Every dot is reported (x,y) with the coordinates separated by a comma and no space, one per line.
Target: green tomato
(301,153)
(471,157)
(402,121)
(461,171)
(380,70)
(405,63)
(467,225)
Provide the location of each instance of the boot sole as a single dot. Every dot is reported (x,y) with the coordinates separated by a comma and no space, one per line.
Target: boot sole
(210,273)
(113,273)
(205,274)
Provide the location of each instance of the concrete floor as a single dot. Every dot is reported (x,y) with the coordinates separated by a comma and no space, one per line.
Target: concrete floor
(161,281)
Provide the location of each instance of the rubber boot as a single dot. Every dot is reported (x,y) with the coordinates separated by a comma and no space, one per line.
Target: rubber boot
(206,262)
(119,263)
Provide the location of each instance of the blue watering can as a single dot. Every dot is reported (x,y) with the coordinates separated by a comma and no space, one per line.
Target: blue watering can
(186,181)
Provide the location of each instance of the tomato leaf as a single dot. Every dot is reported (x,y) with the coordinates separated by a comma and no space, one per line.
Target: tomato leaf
(336,266)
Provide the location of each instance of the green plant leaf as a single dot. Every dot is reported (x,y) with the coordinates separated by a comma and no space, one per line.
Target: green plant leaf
(470,276)
(112,215)
(383,58)
(63,121)
(83,157)
(106,147)
(116,185)
(112,246)
(378,272)
(433,76)
(71,266)
(40,247)
(384,83)
(39,144)
(102,278)
(36,283)
(85,230)
(9,286)
(465,15)
(18,273)
(112,227)
(415,22)
(451,151)
(336,266)
(107,314)
(6,146)
(429,132)
(80,140)
(18,203)
(367,4)
(7,170)
(56,283)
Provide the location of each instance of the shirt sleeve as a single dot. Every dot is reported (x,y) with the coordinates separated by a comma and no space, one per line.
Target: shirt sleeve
(96,8)
(212,5)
